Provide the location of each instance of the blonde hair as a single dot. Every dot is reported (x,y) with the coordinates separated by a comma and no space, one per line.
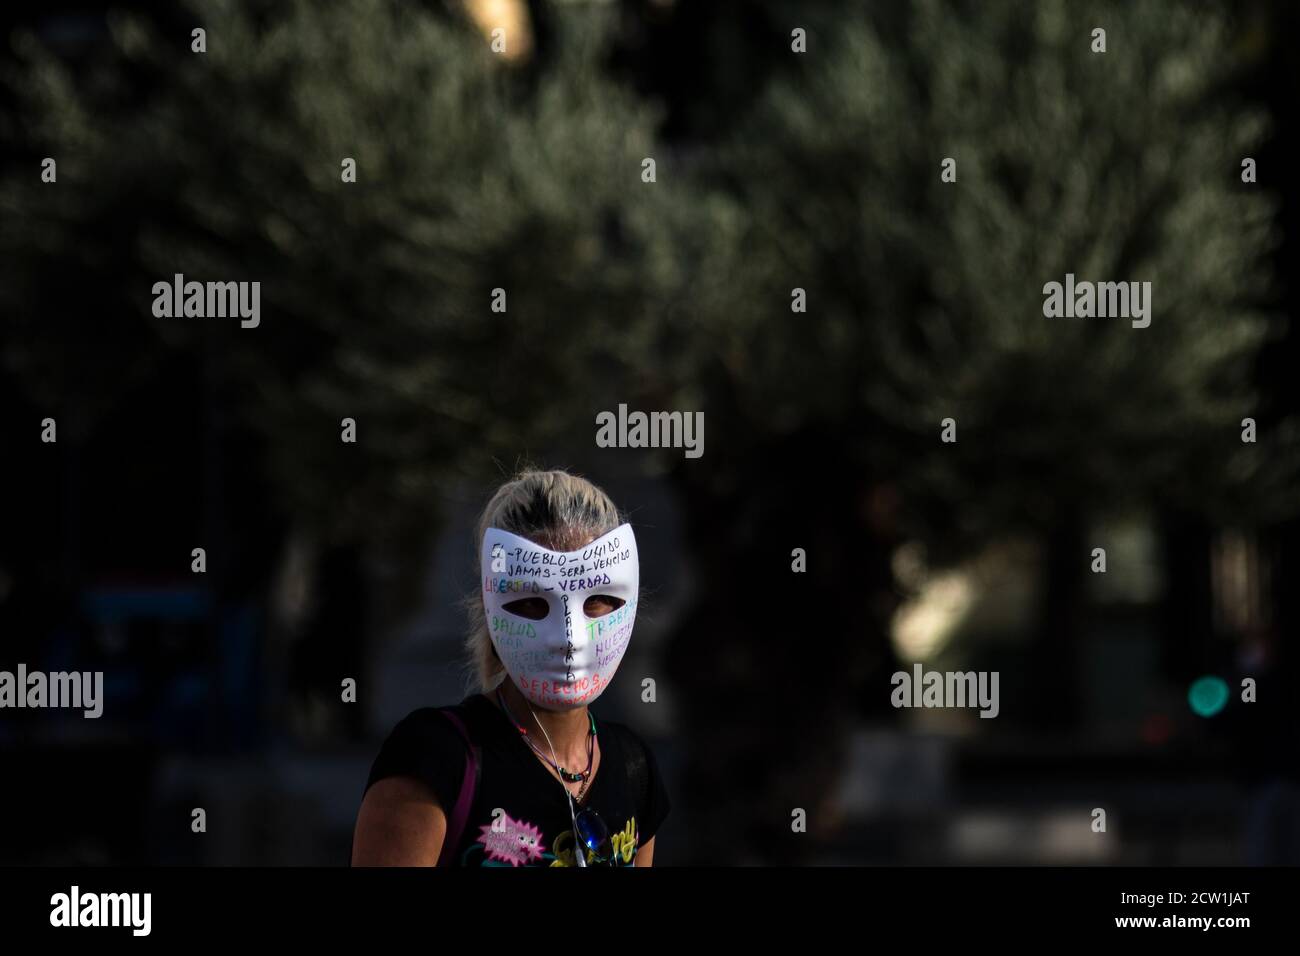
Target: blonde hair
(554,509)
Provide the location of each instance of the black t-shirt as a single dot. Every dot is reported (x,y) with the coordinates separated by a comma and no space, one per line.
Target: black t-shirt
(515,789)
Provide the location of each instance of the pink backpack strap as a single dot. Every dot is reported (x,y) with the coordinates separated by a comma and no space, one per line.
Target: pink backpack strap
(458,815)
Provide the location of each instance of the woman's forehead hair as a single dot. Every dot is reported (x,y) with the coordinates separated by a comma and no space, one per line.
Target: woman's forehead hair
(553,509)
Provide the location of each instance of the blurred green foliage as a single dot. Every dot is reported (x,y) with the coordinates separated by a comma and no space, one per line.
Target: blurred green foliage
(471,176)
(924,297)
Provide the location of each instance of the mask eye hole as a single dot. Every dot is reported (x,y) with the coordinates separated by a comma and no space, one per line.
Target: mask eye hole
(598,605)
(532,608)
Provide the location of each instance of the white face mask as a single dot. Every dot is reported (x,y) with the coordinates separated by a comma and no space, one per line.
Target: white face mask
(566,659)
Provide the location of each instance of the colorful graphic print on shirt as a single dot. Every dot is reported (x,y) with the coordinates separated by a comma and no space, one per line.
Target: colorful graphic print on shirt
(511,842)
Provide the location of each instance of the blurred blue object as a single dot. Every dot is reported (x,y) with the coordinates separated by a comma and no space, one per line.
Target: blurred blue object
(110,605)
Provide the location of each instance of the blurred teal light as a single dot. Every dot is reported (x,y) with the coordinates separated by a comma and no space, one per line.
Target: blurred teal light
(1208,695)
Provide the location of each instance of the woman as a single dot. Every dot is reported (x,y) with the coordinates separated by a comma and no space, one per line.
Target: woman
(522,773)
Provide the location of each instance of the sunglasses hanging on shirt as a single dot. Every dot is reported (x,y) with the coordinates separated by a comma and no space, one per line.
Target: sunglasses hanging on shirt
(591,842)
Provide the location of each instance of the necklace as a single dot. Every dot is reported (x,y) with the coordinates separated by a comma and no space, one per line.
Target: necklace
(582,789)
(567,775)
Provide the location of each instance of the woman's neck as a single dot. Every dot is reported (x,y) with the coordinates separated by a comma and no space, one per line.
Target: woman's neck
(567,729)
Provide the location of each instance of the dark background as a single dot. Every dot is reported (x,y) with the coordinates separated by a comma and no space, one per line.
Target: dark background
(774,170)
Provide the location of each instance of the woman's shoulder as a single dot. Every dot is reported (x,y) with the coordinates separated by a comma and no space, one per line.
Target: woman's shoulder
(423,744)
(428,747)
(432,722)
